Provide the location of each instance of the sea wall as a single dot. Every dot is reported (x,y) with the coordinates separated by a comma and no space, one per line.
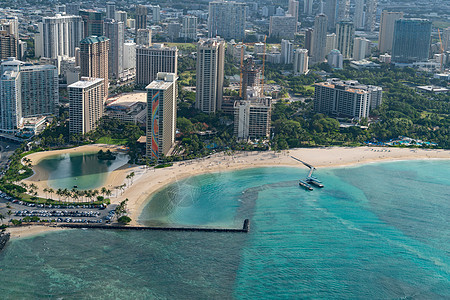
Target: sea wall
(4,238)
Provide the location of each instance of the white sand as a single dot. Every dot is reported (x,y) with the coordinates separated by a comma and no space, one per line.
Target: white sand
(147,181)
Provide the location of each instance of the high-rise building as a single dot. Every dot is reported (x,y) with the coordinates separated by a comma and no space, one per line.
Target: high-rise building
(10,26)
(446,39)
(26,91)
(59,35)
(343,10)
(85,104)
(331,43)
(141,17)
(114,30)
(156,13)
(338,99)
(144,37)
(129,56)
(189,30)
(308,7)
(287,51)
(8,46)
(412,39)
(173,30)
(335,59)
(386,36)
(293,8)
(92,22)
(330,10)
(361,48)
(309,37)
(210,75)
(319,38)
(226,19)
(371,13)
(345,34)
(152,60)
(72,9)
(161,115)
(300,61)
(60,9)
(252,118)
(94,58)
(122,16)
(110,10)
(282,27)
(358,19)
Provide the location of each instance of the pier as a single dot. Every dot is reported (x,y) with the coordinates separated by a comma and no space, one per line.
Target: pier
(245,227)
(310,180)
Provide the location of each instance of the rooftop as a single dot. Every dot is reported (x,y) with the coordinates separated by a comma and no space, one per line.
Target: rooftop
(94,39)
(127,99)
(85,82)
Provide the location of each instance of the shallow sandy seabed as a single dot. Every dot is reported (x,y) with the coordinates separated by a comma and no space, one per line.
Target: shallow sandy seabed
(149,180)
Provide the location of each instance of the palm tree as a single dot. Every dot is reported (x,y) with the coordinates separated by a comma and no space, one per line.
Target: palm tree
(45,191)
(103,191)
(51,191)
(108,193)
(131,177)
(59,192)
(2,217)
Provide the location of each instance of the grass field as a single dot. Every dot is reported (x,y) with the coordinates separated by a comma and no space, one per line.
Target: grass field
(110,141)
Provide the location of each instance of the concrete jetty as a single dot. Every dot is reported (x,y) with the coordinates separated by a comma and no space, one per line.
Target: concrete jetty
(245,227)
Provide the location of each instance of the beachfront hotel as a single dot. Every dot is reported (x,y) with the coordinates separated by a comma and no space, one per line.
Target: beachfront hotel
(210,75)
(94,59)
(347,99)
(85,104)
(26,91)
(161,115)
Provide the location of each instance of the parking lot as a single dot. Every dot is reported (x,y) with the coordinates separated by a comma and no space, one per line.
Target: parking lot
(11,208)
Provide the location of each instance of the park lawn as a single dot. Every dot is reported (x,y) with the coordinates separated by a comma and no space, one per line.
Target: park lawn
(110,141)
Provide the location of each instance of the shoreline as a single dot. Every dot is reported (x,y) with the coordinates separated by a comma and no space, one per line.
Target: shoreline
(148,181)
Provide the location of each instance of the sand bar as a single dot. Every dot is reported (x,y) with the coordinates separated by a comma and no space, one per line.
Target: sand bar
(149,180)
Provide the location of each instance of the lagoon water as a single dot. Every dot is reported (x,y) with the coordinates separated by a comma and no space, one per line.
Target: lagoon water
(84,170)
(378,231)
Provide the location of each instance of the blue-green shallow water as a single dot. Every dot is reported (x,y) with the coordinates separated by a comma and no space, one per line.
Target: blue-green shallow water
(82,169)
(379,231)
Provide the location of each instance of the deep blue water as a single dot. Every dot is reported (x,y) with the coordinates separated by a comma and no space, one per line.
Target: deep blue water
(378,231)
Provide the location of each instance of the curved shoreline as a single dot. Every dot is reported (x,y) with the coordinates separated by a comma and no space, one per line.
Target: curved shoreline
(148,181)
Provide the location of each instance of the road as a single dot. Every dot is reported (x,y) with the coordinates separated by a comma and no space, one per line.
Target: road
(6,150)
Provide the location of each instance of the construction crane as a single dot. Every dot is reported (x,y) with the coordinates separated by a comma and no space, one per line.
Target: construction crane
(442,50)
(263,66)
(242,66)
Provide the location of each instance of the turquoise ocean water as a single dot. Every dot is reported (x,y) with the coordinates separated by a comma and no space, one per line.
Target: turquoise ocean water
(378,231)
(84,170)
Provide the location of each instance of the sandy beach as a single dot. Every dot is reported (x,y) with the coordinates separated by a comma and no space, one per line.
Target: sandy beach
(149,180)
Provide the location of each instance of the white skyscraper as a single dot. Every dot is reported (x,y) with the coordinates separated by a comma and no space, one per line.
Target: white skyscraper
(189,30)
(371,11)
(361,48)
(293,9)
(331,42)
(114,30)
(226,19)
(210,75)
(386,36)
(287,51)
(345,33)
(59,35)
(26,91)
(110,10)
(129,55)
(161,115)
(359,14)
(85,104)
(308,7)
(300,61)
(335,59)
(152,60)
